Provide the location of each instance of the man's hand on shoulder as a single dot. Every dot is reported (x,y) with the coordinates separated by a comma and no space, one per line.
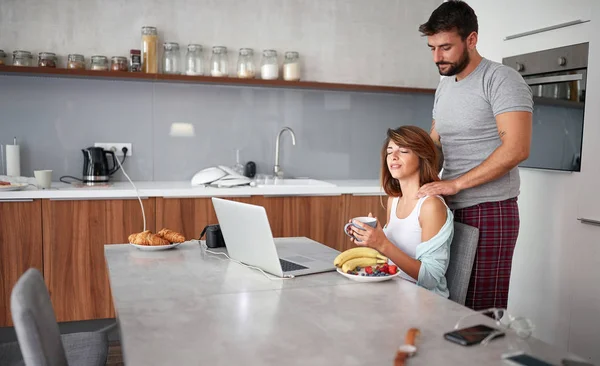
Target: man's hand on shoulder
(441,188)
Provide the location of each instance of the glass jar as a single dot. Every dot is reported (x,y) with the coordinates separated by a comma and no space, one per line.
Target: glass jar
(149,50)
(219,62)
(22,58)
(171,62)
(99,63)
(291,66)
(194,64)
(269,68)
(75,61)
(245,64)
(2,57)
(47,59)
(119,63)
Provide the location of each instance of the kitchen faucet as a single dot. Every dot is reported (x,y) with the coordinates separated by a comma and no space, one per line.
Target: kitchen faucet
(277,169)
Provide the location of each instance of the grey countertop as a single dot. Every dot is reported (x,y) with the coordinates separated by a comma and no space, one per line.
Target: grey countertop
(185,306)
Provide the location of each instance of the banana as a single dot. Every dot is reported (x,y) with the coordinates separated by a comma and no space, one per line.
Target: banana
(359,252)
(360,262)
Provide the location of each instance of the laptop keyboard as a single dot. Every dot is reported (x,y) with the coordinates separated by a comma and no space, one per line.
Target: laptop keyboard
(289,266)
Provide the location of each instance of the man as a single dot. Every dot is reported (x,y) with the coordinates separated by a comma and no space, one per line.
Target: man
(482,121)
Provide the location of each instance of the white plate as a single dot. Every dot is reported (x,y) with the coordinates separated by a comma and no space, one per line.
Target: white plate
(359,278)
(14,187)
(152,248)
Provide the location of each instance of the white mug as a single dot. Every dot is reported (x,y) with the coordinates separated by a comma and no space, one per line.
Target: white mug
(371,221)
(43,178)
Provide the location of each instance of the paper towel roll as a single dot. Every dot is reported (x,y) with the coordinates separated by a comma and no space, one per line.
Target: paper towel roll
(13,161)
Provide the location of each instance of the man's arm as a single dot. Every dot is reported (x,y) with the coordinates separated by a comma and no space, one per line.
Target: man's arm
(436,140)
(514,129)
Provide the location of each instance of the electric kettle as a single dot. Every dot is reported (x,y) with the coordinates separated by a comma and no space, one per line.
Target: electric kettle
(95,165)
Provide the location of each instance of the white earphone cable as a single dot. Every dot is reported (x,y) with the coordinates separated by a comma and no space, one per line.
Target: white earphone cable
(136,192)
(286,277)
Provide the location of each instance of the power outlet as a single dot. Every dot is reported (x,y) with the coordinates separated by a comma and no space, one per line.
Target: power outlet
(117,145)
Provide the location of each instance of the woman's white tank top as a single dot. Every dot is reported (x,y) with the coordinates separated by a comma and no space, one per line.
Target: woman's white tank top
(405,233)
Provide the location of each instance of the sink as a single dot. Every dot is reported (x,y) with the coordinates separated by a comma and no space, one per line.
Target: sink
(299,182)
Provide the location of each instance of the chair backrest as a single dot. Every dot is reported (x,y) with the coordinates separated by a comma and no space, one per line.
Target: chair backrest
(35,322)
(462,255)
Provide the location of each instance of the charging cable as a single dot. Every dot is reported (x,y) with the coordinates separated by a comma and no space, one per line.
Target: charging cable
(124,150)
(285,277)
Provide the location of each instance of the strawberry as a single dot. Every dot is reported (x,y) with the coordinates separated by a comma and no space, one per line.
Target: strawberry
(369,270)
(385,268)
(392,270)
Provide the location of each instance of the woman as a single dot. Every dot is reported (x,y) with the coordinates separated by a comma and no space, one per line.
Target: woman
(419,231)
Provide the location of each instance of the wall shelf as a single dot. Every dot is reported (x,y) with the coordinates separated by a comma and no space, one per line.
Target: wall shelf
(138,76)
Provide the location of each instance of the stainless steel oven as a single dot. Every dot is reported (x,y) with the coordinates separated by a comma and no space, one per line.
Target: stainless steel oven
(557,78)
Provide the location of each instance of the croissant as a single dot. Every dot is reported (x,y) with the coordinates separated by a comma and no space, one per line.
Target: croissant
(171,236)
(139,238)
(153,239)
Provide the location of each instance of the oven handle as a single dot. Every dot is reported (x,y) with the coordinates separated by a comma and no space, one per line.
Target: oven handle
(554,79)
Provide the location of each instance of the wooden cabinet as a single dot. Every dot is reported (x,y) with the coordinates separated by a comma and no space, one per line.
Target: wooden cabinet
(75,233)
(320,218)
(20,247)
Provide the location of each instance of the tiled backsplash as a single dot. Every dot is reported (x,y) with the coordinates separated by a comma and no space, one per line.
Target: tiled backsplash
(338,135)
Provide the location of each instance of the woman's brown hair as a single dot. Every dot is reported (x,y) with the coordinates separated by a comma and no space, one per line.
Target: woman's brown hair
(420,143)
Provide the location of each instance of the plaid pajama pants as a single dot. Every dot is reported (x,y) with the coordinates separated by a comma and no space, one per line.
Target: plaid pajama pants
(498,224)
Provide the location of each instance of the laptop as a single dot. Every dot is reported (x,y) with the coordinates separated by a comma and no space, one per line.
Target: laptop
(249,239)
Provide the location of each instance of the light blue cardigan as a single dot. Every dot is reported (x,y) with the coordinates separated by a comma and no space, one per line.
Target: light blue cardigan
(434,255)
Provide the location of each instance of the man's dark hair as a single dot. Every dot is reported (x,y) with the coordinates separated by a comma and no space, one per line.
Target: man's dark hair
(451,15)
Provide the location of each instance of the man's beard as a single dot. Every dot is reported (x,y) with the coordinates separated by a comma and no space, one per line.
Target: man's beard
(455,67)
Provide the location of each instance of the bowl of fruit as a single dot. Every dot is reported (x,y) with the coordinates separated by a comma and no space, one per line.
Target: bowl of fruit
(365,265)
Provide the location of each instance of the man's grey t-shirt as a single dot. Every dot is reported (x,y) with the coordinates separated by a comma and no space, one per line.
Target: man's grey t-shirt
(464,112)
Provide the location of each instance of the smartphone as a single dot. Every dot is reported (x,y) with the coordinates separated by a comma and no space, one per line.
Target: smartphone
(523,359)
(472,335)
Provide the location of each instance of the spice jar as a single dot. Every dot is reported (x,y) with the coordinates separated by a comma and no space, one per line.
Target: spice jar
(136,60)
(47,59)
(22,58)
(149,50)
(118,63)
(219,62)
(245,65)
(291,66)
(99,63)
(269,69)
(194,64)
(171,62)
(75,61)
(2,57)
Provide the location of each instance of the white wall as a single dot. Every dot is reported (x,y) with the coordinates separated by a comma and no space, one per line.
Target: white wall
(350,41)
(546,282)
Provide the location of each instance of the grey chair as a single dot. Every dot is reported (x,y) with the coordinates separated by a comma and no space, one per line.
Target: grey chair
(462,255)
(38,334)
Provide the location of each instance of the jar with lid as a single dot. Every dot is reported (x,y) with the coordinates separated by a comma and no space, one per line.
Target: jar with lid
(149,50)
(245,64)
(22,58)
(119,63)
(170,61)
(47,59)
(269,67)
(75,61)
(219,62)
(291,66)
(2,57)
(99,63)
(194,63)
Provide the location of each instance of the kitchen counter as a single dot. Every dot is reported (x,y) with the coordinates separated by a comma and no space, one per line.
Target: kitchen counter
(120,190)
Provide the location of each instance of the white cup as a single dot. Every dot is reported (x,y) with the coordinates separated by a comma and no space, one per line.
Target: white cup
(43,178)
